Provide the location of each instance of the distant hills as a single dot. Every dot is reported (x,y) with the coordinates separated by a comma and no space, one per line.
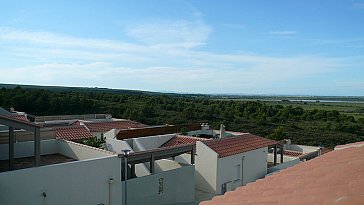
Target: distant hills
(211,96)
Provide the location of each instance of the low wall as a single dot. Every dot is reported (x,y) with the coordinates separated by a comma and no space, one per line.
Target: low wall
(72,183)
(26,149)
(270,158)
(81,152)
(284,165)
(171,187)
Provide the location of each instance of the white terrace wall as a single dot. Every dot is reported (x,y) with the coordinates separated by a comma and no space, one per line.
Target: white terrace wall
(176,186)
(72,183)
(118,145)
(152,142)
(236,171)
(284,165)
(81,152)
(26,149)
(64,147)
(206,168)
(286,158)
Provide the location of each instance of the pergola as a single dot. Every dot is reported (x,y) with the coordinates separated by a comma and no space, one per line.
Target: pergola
(279,146)
(13,123)
(155,154)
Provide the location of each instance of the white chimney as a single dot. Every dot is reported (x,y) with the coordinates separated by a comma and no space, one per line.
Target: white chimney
(222,131)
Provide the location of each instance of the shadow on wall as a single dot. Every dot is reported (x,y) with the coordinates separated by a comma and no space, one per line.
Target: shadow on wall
(202,184)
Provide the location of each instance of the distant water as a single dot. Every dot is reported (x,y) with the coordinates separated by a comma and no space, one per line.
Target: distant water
(328,101)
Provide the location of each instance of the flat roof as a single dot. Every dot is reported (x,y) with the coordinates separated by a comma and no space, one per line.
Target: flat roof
(335,178)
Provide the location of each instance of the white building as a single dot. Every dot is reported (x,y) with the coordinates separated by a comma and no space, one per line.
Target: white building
(63,172)
(221,164)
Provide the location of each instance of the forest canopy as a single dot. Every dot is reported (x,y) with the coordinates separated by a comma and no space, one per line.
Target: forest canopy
(310,127)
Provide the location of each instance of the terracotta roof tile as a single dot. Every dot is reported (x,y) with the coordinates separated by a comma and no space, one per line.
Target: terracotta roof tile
(336,178)
(19,117)
(292,153)
(72,133)
(182,140)
(107,126)
(234,145)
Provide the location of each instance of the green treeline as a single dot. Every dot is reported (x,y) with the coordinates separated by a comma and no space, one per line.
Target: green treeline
(315,127)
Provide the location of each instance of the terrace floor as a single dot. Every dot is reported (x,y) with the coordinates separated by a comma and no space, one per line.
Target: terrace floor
(28,162)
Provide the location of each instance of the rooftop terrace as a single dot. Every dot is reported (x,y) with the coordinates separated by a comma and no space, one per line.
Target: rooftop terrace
(28,162)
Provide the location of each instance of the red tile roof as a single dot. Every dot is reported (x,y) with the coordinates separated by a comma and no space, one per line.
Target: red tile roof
(292,153)
(182,140)
(107,126)
(72,133)
(234,145)
(19,117)
(336,178)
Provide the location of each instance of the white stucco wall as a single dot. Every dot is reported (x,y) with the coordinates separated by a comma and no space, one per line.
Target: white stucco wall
(78,183)
(26,149)
(81,152)
(67,148)
(97,134)
(153,142)
(236,171)
(178,188)
(284,165)
(115,145)
(111,134)
(206,168)
(286,158)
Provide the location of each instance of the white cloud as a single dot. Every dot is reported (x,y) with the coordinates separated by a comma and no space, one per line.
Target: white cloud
(358,5)
(173,64)
(186,34)
(283,33)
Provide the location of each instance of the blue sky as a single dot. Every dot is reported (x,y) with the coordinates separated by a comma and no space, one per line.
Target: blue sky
(302,47)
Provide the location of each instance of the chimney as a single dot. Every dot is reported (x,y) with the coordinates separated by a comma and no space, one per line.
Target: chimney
(222,131)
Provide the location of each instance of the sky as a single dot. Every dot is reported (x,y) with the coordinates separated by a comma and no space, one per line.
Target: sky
(292,47)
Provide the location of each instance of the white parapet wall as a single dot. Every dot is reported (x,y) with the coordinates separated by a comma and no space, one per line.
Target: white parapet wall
(67,148)
(284,165)
(176,186)
(286,158)
(26,149)
(153,142)
(81,152)
(118,145)
(72,183)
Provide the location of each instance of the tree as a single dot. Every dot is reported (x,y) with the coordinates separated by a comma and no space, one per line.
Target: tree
(278,134)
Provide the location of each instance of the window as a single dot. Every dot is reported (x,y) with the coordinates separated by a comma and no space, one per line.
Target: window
(237,172)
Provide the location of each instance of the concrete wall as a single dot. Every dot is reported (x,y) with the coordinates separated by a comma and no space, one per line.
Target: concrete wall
(206,168)
(286,158)
(171,187)
(22,135)
(166,165)
(284,165)
(79,151)
(78,183)
(26,149)
(67,148)
(236,171)
(152,142)
(98,135)
(111,134)
(300,148)
(115,145)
